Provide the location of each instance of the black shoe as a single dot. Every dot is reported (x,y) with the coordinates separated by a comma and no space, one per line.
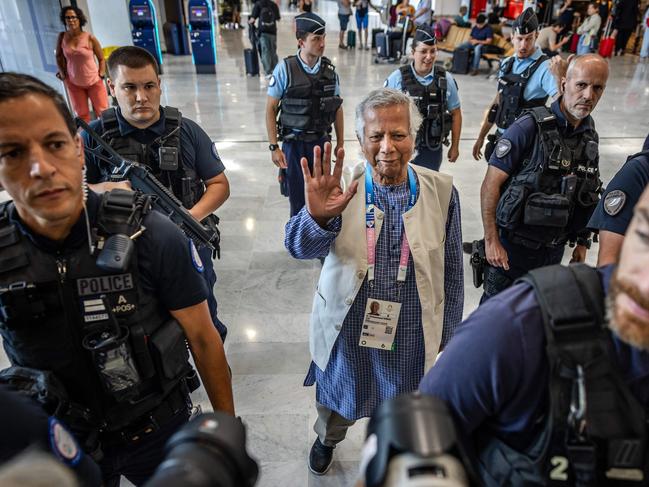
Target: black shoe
(320,457)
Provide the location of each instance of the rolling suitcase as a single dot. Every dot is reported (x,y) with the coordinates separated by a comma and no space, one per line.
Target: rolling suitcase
(375,32)
(461,61)
(574,42)
(388,45)
(607,44)
(351,39)
(252,62)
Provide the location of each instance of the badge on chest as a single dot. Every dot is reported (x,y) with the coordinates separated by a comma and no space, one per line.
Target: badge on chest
(380,324)
(119,290)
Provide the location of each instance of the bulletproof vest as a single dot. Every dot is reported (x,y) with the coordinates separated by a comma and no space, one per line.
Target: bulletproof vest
(598,427)
(511,88)
(431,101)
(163,155)
(552,197)
(52,304)
(310,103)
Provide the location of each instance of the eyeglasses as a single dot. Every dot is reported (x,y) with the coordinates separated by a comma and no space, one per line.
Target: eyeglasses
(70,18)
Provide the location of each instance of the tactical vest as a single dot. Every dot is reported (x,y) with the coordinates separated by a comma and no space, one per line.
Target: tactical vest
(182,180)
(53,304)
(431,101)
(599,428)
(511,88)
(554,194)
(310,102)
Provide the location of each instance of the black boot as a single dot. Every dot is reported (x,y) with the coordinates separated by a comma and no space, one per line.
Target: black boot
(320,457)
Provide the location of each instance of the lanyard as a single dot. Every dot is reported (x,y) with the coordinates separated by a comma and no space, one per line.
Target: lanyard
(370,226)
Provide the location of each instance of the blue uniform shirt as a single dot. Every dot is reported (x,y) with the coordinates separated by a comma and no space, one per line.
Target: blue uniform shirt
(197,150)
(615,210)
(494,373)
(521,134)
(542,83)
(452,97)
(279,81)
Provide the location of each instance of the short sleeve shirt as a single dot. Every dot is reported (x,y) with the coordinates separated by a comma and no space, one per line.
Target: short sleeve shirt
(615,209)
(197,150)
(482,33)
(517,141)
(542,83)
(547,36)
(279,81)
(394,80)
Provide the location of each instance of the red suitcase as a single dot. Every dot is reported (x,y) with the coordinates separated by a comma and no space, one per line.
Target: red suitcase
(574,42)
(607,44)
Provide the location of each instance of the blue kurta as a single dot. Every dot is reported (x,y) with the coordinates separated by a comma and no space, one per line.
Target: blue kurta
(357,379)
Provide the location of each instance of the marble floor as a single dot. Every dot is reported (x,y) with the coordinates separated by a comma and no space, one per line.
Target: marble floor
(264,295)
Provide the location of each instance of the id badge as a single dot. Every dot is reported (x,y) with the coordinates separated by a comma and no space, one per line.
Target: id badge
(380,324)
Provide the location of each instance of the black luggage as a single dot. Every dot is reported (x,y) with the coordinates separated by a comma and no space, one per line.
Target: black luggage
(461,61)
(351,39)
(388,45)
(375,32)
(252,62)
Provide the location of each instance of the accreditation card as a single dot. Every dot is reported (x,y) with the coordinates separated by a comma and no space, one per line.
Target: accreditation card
(380,324)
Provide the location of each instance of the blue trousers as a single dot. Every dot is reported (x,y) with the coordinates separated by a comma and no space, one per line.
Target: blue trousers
(210,280)
(294,150)
(477,52)
(521,261)
(432,159)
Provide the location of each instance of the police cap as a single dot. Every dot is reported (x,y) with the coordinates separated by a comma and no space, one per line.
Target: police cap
(425,35)
(526,23)
(310,22)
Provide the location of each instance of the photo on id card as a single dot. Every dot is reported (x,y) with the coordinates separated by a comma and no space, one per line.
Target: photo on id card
(380,324)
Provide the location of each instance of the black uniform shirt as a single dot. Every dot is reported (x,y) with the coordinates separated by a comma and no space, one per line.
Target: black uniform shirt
(256,12)
(517,142)
(167,266)
(615,210)
(197,150)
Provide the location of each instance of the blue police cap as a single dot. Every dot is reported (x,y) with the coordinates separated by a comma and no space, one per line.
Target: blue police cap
(425,35)
(310,22)
(526,23)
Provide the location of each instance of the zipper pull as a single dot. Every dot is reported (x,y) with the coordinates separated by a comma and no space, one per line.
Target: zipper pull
(62,267)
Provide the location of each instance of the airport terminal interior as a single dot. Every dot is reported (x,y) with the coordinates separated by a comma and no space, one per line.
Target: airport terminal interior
(264,295)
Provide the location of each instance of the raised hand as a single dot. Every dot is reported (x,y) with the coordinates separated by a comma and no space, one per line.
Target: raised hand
(323,193)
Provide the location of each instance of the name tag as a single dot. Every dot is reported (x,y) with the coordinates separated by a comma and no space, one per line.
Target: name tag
(380,324)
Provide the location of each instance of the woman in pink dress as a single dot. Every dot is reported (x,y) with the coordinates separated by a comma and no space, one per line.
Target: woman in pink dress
(82,74)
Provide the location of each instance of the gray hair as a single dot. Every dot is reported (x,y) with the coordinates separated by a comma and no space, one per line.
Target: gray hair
(385,97)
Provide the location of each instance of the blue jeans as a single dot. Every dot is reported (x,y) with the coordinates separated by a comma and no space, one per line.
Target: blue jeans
(268,46)
(581,49)
(644,51)
(477,52)
(294,150)
(432,159)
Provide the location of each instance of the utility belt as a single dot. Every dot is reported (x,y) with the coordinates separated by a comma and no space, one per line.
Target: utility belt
(532,244)
(305,136)
(177,402)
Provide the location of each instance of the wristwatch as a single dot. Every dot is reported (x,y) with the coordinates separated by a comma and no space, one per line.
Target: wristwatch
(273,147)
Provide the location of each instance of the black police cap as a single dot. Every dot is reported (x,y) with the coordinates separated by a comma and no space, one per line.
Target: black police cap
(425,35)
(310,22)
(526,23)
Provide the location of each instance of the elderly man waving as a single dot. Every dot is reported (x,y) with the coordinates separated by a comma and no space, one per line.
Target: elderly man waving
(391,289)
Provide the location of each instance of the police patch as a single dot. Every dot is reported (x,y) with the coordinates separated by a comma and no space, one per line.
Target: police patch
(614,202)
(272,81)
(502,148)
(215,153)
(63,443)
(196,258)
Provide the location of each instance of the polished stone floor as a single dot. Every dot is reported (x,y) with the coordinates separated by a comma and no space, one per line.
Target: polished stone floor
(264,295)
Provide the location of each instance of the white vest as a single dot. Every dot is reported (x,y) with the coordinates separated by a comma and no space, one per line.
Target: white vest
(345,267)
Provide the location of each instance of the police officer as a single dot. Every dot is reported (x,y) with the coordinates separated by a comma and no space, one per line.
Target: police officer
(305,91)
(525,80)
(542,181)
(140,129)
(615,210)
(435,92)
(557,390)
(99,321)
(25,425)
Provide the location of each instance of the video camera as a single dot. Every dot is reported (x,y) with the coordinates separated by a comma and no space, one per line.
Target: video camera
(412,442)
(209,451)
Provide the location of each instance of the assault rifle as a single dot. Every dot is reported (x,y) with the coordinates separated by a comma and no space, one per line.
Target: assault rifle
(143,180)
